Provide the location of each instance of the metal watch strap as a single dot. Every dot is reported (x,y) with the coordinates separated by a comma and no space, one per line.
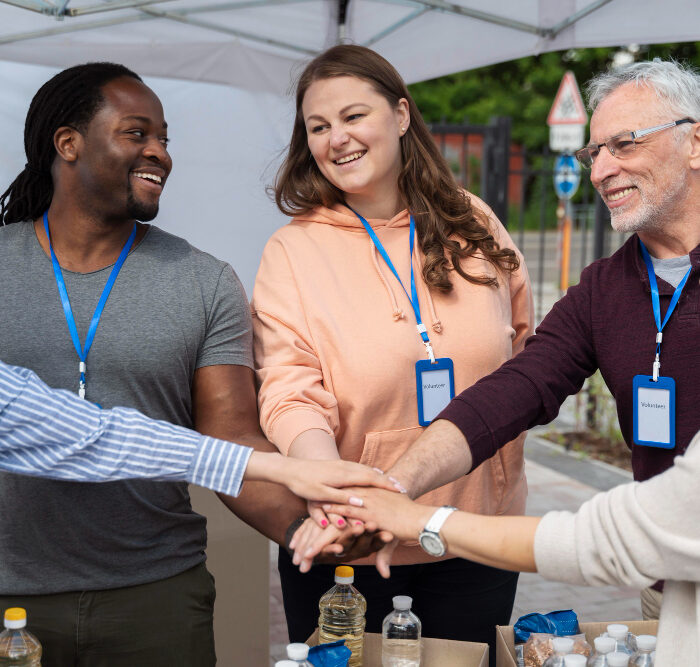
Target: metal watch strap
(435,522)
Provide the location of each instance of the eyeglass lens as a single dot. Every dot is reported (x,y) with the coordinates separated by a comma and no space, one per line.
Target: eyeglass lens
(619,146)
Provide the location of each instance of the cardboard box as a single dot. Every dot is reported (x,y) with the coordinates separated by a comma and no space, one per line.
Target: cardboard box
(505,649)
(436,652)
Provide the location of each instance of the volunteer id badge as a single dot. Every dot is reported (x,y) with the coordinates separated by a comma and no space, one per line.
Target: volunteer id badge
(654,415)
(435,386)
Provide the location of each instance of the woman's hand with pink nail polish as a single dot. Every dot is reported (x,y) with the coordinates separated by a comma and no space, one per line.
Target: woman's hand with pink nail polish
(321,480)
(394,512)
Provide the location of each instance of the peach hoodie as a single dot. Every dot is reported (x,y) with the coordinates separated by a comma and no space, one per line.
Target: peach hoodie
(336,346)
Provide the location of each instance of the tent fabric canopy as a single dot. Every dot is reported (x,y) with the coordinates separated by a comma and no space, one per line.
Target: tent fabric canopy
(227,139)
(258,45)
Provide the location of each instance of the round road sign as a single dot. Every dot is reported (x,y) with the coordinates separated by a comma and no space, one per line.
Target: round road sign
(567,176)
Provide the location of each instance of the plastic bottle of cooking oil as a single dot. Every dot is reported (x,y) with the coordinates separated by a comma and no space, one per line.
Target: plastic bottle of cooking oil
(343,614)
(17,646)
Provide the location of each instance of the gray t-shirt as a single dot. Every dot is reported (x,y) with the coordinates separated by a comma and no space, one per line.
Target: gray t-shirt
(672,269)
(173,309)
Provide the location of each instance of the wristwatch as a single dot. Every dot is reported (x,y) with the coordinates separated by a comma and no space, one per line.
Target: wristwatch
(430,538)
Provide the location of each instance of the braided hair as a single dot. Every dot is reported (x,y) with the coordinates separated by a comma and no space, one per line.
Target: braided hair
(71,98)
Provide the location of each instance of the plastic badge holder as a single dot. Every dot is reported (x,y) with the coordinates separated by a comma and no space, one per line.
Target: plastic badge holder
(335,654)
(560,623)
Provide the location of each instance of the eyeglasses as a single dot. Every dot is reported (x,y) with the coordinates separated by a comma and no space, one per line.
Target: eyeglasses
(622,145)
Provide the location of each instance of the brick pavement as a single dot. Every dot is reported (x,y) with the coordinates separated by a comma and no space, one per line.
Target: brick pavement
(548,490)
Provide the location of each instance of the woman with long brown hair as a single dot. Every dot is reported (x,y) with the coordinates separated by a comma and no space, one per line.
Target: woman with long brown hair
(389,290)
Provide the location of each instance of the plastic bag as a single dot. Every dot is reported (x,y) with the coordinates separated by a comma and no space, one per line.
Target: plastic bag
(561,623)
(538,647)
(335,654)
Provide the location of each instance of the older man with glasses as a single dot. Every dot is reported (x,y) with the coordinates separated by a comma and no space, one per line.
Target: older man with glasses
(635,315)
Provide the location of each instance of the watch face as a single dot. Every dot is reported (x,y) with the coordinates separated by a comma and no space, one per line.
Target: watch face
(432,544)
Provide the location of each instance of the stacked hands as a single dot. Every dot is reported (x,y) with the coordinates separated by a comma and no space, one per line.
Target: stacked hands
(354,511)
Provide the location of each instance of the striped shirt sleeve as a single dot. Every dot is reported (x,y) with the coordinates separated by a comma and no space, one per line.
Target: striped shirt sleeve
(52,433)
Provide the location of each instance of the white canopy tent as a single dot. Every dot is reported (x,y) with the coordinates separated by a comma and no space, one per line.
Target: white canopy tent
(255,43)
(226,138)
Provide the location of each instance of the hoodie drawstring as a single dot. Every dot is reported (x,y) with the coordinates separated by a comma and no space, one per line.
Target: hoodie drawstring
(396,312)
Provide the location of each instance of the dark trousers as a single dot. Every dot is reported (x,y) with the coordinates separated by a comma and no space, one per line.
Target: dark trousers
(454,599)
(162,624)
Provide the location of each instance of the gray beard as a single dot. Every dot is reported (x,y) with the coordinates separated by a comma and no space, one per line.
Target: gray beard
(651,215)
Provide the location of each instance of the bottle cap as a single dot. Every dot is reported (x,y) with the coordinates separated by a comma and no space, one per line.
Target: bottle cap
(286,663)
(618,659)
(604,644)
(646,642)
(402,602)
(15,617)
(562,644)
(575,660)
(297,651)
(618,631)
(344,574)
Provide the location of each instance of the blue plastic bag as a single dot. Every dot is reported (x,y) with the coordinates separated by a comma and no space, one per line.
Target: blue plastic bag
(560,623)
(335,654)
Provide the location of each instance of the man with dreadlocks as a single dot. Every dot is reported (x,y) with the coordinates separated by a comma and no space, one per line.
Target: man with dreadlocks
(97,302)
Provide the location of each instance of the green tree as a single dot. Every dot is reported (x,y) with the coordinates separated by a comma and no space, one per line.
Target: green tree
(524,89)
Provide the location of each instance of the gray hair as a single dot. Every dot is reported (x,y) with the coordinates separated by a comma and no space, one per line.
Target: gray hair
(677,85)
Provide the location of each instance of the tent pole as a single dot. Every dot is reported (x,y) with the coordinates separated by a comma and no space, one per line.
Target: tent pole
(31,5)
(146,14)
(396,26)
(342,18)
(578,16)
(441,5)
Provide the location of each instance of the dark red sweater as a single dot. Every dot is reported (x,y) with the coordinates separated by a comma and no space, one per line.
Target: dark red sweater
(606,322)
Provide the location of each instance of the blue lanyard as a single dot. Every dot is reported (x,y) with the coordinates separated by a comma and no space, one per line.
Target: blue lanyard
(657,307)
(68,311)
(413,297)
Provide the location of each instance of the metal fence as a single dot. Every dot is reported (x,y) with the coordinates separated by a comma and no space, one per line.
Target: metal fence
(518,185)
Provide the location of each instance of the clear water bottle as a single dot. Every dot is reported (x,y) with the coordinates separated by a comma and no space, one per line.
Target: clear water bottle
(621,634)
(618,659)
(642,657)
(299,654)
(561,646)
(343,615)
(603,646)
(574,660)
(401,632)
(17,646)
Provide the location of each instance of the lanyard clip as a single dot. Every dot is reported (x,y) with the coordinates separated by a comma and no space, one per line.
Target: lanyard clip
(82,368)
(656,366)
(429,350)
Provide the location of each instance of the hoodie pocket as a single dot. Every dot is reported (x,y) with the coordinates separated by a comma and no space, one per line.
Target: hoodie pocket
(383,448)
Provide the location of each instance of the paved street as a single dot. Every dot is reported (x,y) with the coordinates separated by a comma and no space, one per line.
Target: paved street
(552,490)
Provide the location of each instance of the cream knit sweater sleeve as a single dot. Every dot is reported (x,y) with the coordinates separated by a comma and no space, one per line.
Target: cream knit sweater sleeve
(634,534)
